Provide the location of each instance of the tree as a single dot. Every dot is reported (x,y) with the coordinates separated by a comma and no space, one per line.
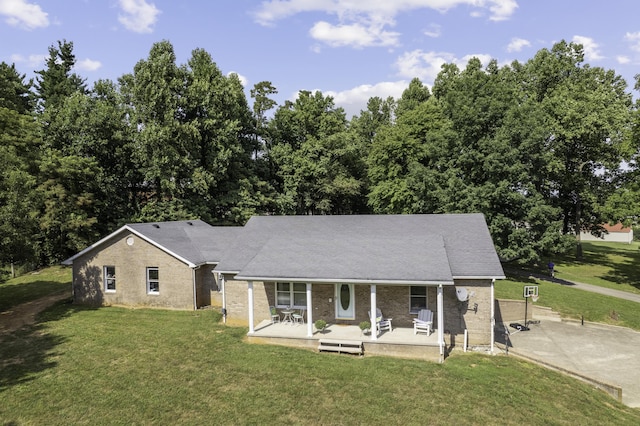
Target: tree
(318,163)
(587,110)
(57,81)
(19,147)
(15,94)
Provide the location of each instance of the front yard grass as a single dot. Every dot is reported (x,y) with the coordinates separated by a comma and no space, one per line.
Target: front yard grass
(128,366)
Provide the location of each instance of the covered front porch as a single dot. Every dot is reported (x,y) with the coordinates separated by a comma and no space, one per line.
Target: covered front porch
(346,327)
(400,342)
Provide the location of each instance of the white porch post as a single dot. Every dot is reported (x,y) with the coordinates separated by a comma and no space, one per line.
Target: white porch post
(372,314)
(250,305)
(441,319)
(493,313)
(309,312)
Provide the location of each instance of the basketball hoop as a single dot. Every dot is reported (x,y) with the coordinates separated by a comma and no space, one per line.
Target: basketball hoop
(531,291)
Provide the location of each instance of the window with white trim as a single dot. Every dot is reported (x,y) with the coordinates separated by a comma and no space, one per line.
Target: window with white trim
(109,276)
(292,295)
(153,280)
(418,298)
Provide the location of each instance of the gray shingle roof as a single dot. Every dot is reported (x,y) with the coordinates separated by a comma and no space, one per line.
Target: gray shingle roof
(382,248)
(193,241)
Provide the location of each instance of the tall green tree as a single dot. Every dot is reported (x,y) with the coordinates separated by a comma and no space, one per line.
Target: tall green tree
(587,110)
(19,148)
(317,162)
(58,81)
(15,93)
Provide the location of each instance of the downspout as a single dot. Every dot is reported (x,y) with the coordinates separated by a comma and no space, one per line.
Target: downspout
(493,313)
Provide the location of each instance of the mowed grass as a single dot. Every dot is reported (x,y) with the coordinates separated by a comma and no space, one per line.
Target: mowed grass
(33,285)
(572,303)
(611,265)
(126,366)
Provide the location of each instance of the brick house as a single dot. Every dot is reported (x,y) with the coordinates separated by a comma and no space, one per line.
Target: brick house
(341,268)
(163,264)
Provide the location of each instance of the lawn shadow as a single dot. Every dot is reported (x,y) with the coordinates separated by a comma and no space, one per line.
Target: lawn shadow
(32,349)
(619,271)
(14,295)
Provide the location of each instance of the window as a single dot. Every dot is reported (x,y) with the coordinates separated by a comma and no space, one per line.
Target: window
(109,275)
(291,295)
(153,281)
(418,299)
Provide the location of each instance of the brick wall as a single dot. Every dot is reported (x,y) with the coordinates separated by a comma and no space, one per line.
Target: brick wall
(394,302)
(131,261)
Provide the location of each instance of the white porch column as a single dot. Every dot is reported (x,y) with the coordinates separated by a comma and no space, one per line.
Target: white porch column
(372,314)
(309,312)
(493,313)
(250,305)
(441,319)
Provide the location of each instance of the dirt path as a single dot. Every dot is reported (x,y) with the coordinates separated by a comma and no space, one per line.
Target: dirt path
(25,314)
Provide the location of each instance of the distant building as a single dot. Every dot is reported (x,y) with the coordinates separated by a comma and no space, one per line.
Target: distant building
(613,233)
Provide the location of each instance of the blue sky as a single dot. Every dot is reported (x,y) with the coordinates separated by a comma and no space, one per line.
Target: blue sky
(351,50)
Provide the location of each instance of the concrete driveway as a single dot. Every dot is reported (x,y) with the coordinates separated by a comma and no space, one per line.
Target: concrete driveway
(604,353)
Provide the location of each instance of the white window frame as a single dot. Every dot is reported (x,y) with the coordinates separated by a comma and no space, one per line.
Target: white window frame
(150,281)
(414,309)
(290,294)
(109,279)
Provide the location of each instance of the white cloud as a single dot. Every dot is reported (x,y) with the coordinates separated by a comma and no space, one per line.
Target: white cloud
(427,65)
(424,65)
(591,48)
(88,65)
(20,13)
(139,16)
(517,44)
(243,80)
(434,30)
(634,40)
(355,100)
(623,59)
(32,61)
(363,23)
(356,35)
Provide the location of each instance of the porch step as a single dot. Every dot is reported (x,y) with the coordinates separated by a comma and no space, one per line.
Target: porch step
(341,346)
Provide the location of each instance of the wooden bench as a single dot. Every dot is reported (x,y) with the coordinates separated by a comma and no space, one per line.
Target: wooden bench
(341,346)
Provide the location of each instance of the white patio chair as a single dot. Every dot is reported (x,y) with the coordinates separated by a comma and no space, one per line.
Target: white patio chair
(275,316)
(424,322)
(298,317)
(382,323)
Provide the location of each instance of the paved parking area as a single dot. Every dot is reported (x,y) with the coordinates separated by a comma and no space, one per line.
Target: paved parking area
(606,353)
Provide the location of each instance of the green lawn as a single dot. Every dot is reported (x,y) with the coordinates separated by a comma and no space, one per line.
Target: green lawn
(612,265)
(30,286)
(140,366)
(127,366)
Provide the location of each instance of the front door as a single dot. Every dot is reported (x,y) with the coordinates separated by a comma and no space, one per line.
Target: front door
(345,301)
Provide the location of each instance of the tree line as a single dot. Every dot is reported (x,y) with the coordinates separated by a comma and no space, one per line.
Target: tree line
(544,149)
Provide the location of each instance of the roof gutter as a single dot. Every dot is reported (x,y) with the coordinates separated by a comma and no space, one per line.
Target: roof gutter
(345,280)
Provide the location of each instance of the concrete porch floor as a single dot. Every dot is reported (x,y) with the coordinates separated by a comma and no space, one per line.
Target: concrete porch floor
(401,342)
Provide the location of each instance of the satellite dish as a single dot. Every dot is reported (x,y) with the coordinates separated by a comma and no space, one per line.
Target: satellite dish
(461,294)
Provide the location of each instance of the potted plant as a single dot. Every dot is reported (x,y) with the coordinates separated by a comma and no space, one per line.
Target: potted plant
(320,325)
(365,326)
